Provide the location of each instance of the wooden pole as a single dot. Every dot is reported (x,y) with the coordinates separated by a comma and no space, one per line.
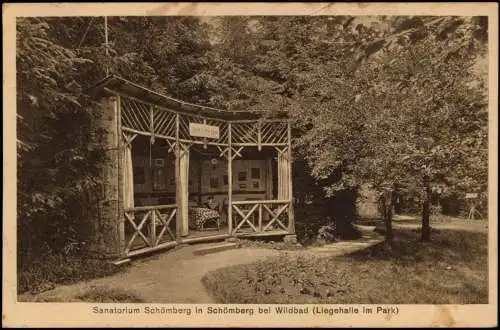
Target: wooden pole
(260,217)
(230,182)
(153,228)
(282,179)
(184,180)
(178,218)
(106,44)
(291,215)
(259,136)
(121,178)
(200,181)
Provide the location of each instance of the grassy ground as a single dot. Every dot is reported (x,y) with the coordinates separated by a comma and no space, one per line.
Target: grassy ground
(97,294)
(417,219)
(49,270)
(452,269)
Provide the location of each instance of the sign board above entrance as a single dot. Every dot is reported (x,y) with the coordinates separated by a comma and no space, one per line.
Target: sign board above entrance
(471,195)
(203,130)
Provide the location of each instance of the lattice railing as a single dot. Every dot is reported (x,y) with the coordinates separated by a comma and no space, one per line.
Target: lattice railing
(149,226)
(260,216)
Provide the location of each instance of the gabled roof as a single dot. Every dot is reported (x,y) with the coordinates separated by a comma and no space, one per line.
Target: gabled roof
(117,85)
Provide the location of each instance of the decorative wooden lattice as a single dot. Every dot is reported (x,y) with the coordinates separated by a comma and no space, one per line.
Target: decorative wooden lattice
(274,133)
(244,133)
(164,123)
(259,133)
(260,216)
(146,119)
(135,115)
(149,224)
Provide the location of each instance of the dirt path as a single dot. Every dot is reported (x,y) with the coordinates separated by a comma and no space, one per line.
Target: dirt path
(175,276)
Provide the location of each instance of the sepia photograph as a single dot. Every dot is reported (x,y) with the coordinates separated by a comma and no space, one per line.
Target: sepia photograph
(309,163)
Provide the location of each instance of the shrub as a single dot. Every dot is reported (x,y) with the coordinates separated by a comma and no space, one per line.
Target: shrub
(327,216)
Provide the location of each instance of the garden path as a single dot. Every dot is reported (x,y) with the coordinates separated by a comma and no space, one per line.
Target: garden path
(175,276)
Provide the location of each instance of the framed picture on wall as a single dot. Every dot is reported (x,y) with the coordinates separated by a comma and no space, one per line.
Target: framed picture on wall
(159,162)
(242,176)
(214,182)
(159,181)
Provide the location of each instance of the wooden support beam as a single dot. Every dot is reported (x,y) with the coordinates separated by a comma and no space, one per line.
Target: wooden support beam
(121,176)
(152,124)
(291,214)
(259,136)
(200,181)
(151,207)
(260,217)
(183,190)
(237,152)
(229,182)
(152,231)
(178,200)
(270,201)
(149,250)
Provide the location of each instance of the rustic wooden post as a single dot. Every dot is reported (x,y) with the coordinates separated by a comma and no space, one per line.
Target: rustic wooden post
(291,215)
(259,136)
(230,181)
(183,180)
(123,151)
(108,230)
(260,217)
(200,181)
(153,228)
(178,200)
(282,175)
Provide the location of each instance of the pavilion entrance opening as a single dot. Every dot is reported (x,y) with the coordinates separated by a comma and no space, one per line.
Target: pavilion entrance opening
(189,173)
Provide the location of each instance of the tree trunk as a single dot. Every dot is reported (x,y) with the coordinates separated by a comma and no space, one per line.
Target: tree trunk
(387,214)
(388,221)
(426,229)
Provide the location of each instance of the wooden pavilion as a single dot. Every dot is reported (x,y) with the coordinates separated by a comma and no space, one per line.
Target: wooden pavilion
(165,158)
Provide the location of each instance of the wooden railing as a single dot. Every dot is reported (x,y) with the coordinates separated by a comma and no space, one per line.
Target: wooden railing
(260,215)
(155,220)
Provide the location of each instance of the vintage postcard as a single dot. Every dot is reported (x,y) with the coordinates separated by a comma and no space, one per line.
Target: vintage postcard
(250,164)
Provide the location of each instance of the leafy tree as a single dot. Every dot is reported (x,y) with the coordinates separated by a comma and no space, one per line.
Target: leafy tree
(374,104)
(56,57)
(441,123)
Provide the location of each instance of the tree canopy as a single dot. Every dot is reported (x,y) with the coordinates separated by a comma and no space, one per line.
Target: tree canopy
(380,100)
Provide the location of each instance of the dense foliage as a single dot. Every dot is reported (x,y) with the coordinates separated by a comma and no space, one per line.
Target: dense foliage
(394,102)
